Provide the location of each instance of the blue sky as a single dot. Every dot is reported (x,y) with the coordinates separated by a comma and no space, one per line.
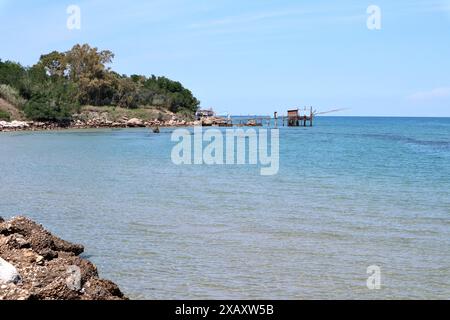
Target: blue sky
(259,56)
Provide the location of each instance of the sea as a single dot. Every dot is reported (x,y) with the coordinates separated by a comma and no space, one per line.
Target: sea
(359,209)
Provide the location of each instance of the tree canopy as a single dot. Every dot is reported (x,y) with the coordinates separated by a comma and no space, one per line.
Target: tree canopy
(60,82)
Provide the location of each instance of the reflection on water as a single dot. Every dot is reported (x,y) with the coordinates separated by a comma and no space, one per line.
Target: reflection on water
(351,192)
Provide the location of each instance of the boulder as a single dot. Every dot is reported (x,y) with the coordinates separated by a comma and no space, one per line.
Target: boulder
(19,124)
(8,273)
(37,265)
(207,122)
(135,123)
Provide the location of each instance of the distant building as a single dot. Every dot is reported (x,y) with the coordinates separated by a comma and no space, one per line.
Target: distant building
(205,113)
(293,118)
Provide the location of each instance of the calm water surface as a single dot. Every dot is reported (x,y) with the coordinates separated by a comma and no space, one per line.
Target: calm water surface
(351,192)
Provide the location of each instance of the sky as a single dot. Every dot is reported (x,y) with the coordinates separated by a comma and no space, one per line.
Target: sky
(259,56)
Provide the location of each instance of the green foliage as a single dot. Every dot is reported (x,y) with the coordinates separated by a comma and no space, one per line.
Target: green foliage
(54,64)
(61,81)
(127,93)
(55,101)
(36,78)
(5,116)
(86,66)
(174,96)
(12,74)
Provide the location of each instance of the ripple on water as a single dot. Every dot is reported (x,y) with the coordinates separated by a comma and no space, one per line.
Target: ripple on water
(351,193)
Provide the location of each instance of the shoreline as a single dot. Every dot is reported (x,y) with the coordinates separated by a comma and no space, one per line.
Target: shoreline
(103,123)
(36,265)
(19,126)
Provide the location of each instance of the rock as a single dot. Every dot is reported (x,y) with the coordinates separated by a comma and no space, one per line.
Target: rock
(16,241)
(8,273)
(40,239)
(102,289)
(73,280)
(39,259)
(2,220)
(207,122)
(135,123)
(14,124)
(49,254)
(47,267)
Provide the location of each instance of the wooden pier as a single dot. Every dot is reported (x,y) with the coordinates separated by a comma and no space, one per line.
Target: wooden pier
(295,118)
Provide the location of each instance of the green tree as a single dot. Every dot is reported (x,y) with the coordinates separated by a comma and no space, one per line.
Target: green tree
(61,81)
(87,68)
(12,74)
(54,63)
(127,92)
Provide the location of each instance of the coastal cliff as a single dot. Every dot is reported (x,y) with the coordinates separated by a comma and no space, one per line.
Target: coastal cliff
(36,265)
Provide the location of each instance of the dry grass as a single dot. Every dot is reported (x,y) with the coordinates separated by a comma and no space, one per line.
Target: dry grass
(117,113)
(12,96)
(14,112)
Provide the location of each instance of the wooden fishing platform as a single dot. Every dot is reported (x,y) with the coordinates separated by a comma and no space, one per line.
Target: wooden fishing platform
(296,118)
(300,117)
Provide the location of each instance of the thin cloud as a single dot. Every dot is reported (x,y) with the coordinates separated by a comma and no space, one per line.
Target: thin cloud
(247,18)
(437,93)
(428,6)
(303,15)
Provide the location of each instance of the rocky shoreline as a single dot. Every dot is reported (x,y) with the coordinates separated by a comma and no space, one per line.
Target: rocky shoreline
(36,265)
(96,120)
(91,124)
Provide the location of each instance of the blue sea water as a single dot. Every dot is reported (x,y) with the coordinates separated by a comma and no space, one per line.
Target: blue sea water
(350,193)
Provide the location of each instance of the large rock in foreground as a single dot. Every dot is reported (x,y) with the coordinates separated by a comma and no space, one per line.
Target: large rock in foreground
(8,273)
(47,267)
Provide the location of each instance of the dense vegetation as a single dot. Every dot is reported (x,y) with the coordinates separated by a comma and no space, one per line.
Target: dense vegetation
(60,82)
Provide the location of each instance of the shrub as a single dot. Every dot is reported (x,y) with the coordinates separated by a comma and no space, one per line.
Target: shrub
(46,107)
(53,101)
